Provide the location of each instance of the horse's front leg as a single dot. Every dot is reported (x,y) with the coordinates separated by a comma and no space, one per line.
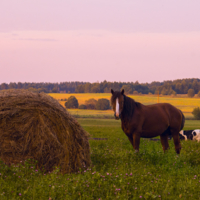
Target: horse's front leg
(136,141)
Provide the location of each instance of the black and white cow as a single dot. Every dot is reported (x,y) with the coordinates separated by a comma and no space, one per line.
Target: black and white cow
(196,134)
(190,135)
(185,135)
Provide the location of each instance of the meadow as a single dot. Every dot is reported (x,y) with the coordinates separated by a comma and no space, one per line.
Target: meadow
(117,172)
(180,101)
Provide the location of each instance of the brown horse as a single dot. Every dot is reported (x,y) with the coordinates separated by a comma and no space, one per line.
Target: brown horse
(138,120)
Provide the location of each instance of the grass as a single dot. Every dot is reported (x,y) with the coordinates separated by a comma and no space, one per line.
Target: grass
(117,172)
(183,103)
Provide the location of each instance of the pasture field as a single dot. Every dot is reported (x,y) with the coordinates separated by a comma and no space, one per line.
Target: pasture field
(183,103)
(117,172)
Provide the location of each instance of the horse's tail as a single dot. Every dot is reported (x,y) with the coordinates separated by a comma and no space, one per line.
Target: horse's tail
(183,120)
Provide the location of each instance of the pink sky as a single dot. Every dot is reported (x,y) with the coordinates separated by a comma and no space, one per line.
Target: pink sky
(65,40)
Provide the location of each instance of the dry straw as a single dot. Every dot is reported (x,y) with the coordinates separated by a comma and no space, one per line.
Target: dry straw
(35,126)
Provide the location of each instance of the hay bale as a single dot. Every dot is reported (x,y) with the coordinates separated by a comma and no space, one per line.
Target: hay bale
(35,126)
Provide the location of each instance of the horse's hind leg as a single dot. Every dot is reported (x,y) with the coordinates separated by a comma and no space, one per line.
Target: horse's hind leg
(176,142)
(164,141)
(130,137)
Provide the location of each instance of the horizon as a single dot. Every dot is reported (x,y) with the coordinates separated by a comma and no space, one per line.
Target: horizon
(69,41)
(103,81)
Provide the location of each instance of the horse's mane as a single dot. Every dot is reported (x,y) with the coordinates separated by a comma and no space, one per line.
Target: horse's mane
(129,107)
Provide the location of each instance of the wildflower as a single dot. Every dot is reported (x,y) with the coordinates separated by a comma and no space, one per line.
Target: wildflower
(36,170)
(135,188)
(131,174)
(140,196)
(20,194)
(107,173)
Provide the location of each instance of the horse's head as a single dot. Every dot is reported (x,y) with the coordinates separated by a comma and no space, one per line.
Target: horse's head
(117,102)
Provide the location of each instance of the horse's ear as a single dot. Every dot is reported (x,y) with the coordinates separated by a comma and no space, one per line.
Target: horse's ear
(122,92)
(112,91)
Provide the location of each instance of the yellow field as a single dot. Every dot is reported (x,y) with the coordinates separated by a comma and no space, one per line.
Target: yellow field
(183,103)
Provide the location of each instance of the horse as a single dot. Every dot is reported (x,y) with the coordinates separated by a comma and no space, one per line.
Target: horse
(147,121)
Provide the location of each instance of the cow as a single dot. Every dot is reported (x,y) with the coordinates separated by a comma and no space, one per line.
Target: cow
(196,134)
(185,135)
(190,134)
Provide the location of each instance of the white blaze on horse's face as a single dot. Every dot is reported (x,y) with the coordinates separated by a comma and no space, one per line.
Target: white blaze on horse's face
(117,108)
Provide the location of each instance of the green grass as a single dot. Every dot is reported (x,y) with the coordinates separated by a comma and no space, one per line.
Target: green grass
(117,172)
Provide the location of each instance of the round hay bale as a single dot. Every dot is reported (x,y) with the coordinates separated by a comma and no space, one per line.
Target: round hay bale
(35,126)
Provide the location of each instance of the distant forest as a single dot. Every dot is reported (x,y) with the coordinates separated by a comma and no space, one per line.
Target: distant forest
(179,86)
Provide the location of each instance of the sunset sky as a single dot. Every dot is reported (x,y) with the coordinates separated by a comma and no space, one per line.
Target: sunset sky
(97,40)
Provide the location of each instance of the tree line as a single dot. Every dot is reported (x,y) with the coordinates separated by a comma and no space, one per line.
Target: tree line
(92,104)
(179,86)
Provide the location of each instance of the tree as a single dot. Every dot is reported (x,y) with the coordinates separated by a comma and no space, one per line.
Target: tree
(127,89)
(91,103)
(103,104)
(191,93)
(198,94)
(164,91)
(196,113)
(95,89)
(135,92)
(82,106)
(71,102)
(55,90)
(173,94)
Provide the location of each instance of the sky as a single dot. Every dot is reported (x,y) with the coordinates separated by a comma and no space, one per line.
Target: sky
(97,40)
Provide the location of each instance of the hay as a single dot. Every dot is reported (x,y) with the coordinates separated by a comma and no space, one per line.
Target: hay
(35,126)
